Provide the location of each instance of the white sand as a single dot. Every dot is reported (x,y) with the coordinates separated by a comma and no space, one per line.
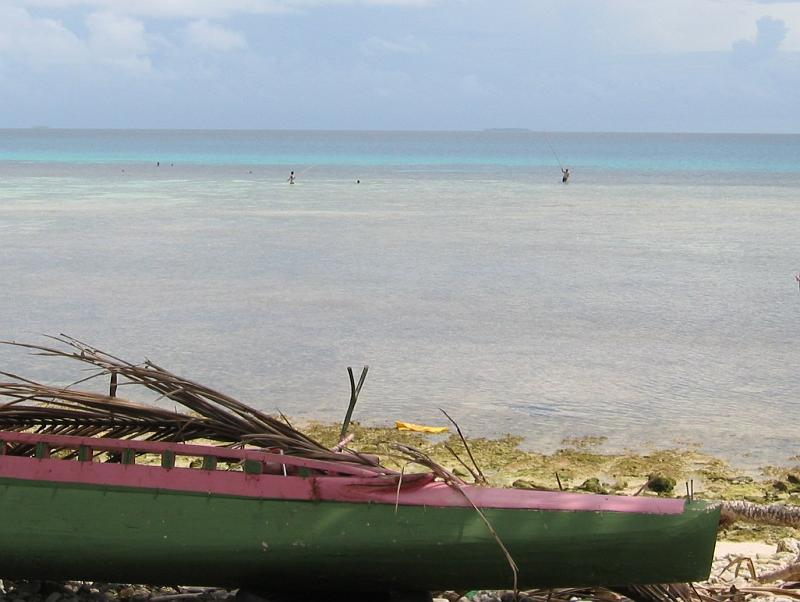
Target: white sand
(749,549)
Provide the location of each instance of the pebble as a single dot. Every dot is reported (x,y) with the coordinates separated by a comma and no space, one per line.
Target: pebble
(724,576)
(76,591)
(789,545)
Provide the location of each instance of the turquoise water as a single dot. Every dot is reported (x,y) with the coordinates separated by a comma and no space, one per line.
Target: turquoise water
(463,151)
(651,300)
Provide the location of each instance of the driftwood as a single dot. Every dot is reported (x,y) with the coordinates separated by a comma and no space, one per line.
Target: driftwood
(790,572)
(770,514)
(771,591)
(767,514)
(787,573)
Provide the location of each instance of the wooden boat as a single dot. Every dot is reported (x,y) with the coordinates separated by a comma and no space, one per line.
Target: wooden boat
(285,521)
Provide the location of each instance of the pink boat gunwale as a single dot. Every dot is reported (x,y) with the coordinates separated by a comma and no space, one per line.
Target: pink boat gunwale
(317,481)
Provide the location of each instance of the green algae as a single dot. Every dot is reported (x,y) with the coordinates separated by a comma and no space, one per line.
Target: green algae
(582,465)
(593,485)
(660,484)
(748,532)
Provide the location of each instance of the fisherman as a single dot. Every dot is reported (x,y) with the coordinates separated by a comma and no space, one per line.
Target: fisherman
(291,178)
(565,175)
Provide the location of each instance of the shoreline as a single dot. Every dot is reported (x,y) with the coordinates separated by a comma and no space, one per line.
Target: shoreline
(580,464)
(510,458)
(741,452)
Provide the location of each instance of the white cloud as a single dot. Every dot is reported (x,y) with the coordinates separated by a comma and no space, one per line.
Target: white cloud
(118,40)
(208,9)
(403,45)
(608,63)
(400,2)
(173,9)
(111,40)
(35,41)
(473,85)
(770,34)
(662,26)
(214,37)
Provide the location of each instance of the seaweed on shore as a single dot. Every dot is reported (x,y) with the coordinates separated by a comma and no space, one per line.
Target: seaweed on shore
(211,415)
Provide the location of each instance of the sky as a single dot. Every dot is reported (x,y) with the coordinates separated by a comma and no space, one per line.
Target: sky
(554,65)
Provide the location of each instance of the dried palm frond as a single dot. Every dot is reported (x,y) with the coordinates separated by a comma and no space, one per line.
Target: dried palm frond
(672,592)
(213,415)
(667,592)
(33,406)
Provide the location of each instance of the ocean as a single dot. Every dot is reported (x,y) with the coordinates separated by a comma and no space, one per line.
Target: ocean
(651,300)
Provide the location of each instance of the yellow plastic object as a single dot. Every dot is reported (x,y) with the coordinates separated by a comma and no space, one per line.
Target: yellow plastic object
(419,428)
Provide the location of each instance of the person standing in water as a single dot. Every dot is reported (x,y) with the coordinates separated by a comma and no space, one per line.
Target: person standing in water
(290,179)
(565,175)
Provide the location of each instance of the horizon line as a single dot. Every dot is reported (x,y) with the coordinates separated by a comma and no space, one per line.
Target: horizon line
(507,130)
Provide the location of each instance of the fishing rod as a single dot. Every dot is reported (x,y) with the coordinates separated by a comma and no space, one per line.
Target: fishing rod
(552,150)
(293,176)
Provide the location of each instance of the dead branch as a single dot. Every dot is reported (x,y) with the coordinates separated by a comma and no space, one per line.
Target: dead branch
(768,514)
(468,468)
(786,573)
(481,478)
(354,391)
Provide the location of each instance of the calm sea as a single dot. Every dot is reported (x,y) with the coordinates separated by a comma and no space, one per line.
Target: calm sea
(651,300)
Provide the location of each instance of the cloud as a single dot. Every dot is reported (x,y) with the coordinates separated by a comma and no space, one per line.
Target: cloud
(214,37)
(35,41)
(173,9)
(472,85)
(405,45)
(111,40)
(118,40)
(410,3)
(202,9)
(610,64)
(770,34)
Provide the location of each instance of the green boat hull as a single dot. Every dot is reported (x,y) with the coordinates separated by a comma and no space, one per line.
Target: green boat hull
(88,532)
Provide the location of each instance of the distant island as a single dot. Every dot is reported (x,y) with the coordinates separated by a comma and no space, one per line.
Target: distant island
(506,130)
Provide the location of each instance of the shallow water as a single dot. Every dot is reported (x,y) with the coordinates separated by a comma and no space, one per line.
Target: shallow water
(652,300)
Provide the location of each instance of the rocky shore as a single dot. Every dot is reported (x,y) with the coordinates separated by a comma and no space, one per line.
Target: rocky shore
(80,591)
(756,506)
(744,554)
